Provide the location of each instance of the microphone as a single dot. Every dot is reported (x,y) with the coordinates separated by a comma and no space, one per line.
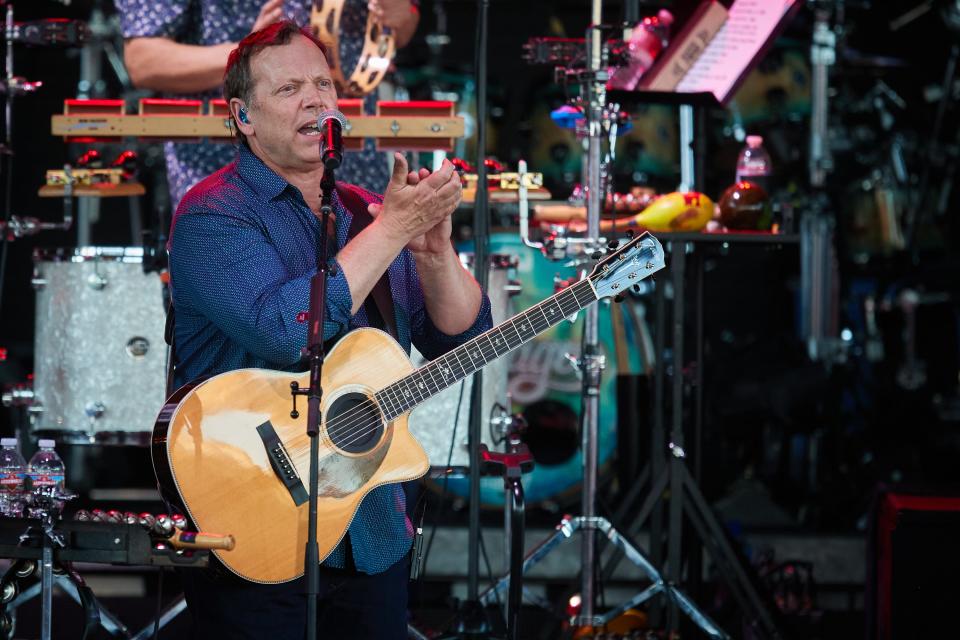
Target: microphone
(331,124)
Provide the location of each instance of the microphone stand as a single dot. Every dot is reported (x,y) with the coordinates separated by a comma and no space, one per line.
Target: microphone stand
(315,351)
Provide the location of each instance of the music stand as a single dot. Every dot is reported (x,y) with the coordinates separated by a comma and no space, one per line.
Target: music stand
(712,79)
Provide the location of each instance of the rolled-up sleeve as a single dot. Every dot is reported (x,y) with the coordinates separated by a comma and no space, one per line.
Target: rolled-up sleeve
(433,343)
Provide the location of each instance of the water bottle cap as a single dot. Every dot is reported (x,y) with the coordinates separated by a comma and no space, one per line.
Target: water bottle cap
(43,443)
(8,442)
(754,141)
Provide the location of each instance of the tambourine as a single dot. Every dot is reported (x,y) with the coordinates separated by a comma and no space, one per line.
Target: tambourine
(379,48)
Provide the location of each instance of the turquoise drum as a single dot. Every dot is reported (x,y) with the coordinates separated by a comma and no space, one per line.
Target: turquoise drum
(545,387)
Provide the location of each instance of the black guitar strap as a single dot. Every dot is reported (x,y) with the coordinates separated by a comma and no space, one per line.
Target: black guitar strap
(379,304)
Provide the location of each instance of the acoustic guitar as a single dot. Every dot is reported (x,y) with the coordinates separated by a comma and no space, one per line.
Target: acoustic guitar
(228,453)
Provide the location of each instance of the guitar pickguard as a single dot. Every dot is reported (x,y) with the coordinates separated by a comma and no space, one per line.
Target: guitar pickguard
(341,475)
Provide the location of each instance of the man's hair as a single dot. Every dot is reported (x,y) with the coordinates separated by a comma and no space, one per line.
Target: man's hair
(238,79)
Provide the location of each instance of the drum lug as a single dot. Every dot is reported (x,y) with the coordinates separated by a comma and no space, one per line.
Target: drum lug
(137,347)
(18,396)
(97,281)
(94,410)
(38,281)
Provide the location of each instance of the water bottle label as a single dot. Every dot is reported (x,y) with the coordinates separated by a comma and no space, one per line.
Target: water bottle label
(46,480)
(752,168)
(11,479)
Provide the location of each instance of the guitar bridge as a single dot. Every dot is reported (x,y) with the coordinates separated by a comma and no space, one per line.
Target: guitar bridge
(281,463)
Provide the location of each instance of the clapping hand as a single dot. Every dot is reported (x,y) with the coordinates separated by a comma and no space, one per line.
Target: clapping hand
(419,205)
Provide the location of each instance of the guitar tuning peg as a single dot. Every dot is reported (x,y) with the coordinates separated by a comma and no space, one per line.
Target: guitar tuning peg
(636,288)
(596,255)
(613,244)
(619,297)
(631,233)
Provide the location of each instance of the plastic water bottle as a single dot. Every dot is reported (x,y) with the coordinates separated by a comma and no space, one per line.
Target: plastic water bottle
(754,165)
(46,470)
(12,470)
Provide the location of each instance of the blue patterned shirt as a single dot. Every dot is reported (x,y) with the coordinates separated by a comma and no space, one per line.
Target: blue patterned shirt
(243,248)
(209,22)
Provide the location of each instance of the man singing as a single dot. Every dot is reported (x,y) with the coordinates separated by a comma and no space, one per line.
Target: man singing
(244,246)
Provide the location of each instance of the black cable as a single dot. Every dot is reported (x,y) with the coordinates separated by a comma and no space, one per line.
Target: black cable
(493,583)
(446,478)
(481,234)
(156,621)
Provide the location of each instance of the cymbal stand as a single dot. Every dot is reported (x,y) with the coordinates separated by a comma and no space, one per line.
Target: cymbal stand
(591,364)
(818,256)
(12,87)
(47,508)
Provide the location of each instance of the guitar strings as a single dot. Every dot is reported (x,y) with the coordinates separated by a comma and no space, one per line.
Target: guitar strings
(332,430)
(360,433)
(349,421)
(367,427)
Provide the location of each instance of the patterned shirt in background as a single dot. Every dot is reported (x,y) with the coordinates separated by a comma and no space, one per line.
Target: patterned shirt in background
(243,249)
(209,22)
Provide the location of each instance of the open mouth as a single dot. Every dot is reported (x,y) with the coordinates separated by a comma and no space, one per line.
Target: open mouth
(310,130)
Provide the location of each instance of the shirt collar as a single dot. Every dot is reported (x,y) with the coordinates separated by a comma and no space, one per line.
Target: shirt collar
(261,178)
(268,184)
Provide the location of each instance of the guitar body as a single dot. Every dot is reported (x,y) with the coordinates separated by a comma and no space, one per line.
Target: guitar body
(212,460)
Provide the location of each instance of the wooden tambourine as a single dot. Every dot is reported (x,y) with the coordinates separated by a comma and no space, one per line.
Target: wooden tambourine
(379,48)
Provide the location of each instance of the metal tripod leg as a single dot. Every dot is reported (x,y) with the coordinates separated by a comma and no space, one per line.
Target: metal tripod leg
(675,475)
(171,611)
(110,622)
(723,554)
(565,530)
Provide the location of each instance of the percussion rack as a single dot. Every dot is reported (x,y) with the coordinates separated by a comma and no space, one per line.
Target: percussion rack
(424,125)
(49,548)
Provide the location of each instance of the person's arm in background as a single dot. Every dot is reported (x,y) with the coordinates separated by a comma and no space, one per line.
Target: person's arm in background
(162,64)
(402,16)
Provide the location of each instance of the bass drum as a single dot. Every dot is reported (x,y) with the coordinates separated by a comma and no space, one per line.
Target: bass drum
(545,387)
(441,423)
(100,356)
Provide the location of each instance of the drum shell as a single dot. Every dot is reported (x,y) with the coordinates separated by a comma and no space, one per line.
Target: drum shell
(430,423)
(99,341)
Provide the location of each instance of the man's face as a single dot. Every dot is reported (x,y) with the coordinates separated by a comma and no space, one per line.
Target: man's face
(292,86)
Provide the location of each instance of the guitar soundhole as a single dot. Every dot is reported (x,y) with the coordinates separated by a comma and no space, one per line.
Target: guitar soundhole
(353,423)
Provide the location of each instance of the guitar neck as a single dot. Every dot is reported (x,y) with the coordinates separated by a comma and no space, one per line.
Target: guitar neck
(433,377)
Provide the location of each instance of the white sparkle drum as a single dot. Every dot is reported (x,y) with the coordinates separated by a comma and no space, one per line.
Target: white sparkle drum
(100,356)
(441,423)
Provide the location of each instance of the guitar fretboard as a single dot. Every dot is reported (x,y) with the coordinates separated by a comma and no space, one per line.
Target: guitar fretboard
(433,377)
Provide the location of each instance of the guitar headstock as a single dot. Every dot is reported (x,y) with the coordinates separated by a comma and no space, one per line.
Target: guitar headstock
(631,263)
